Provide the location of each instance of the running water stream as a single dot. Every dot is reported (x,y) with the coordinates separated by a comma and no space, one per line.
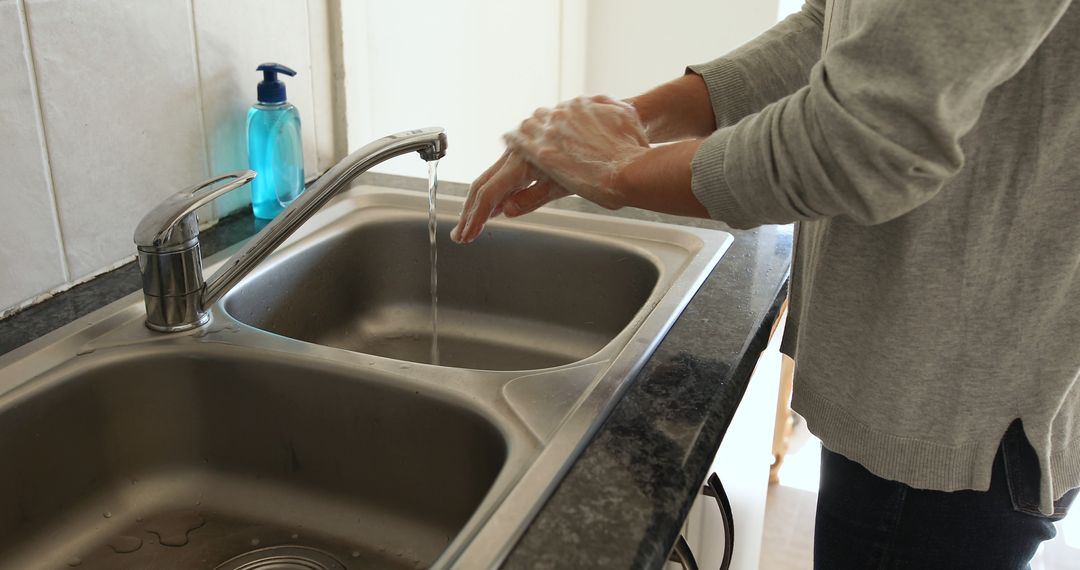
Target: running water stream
(433,188)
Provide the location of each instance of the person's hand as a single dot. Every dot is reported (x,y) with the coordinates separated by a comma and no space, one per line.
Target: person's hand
(511,187)
(582,145)
(577,147)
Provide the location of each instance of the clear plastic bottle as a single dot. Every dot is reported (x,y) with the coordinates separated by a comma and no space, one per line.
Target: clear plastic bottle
(275,150)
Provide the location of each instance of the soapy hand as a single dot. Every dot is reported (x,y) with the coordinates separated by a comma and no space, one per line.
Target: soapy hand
(512,187)
(576,148)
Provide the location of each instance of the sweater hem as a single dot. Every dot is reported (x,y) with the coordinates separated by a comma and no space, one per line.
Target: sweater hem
(1064,475)
(918,463)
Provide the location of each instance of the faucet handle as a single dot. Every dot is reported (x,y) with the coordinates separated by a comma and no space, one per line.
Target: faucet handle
(172,225)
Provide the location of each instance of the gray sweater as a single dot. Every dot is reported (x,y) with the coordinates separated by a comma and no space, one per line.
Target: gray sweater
(930,153)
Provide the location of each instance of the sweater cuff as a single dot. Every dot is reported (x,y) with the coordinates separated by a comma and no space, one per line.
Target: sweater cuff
(709,182)
(727,90)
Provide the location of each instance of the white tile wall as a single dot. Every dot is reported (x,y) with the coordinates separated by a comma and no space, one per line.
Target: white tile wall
(108,106)
(233,38)
(328,80)
(140,98)
(121,107)
(30,256)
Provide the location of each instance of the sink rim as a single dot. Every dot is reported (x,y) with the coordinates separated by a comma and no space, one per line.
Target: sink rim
(505,513)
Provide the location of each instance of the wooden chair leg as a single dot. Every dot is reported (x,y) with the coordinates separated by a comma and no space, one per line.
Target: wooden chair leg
(784,421)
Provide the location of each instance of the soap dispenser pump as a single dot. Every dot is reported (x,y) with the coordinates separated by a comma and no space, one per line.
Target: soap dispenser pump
(275,148)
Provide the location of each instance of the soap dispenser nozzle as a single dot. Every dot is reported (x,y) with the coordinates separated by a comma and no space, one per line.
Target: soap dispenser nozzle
(271,89)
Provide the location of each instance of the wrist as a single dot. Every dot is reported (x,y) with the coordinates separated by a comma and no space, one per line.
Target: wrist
(645,114)
(660,179)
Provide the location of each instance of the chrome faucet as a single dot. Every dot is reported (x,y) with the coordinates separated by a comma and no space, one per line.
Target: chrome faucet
(167,238)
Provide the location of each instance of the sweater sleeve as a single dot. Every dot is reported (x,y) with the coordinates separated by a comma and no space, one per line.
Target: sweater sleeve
(877,130)
(770,66)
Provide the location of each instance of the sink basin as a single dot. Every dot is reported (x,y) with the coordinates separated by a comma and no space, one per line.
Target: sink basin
(518,299)
(307,425)
(223,451)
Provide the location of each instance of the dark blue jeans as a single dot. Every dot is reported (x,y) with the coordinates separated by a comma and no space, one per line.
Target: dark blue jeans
(865,522)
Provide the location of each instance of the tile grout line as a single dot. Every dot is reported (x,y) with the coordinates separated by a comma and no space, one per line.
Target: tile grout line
(311,81)
(35,94)
(199,99)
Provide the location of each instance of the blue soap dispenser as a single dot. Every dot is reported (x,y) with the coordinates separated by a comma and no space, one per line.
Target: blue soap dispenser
(275,149)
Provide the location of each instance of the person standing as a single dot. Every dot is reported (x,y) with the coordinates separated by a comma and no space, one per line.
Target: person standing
(926,152)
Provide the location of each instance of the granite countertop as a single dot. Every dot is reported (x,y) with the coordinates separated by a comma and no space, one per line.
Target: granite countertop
(623,501)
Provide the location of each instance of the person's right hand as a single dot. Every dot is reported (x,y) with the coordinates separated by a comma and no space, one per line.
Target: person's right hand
(511,187)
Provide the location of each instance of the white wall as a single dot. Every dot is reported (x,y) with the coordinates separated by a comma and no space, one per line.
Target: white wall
(475,67)
(478,67)
(636,44)
(788,7)
(111,105)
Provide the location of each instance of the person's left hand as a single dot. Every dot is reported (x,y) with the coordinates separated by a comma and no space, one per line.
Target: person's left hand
(582,144)
(511,186)
(578,147)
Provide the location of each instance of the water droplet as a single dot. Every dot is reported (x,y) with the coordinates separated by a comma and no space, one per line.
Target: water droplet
(294,536)
(172,528)
(138,519)
(404,367)
(125,544)
(372,363)
(356,554)
(107,514)
(74,561)
(255,542)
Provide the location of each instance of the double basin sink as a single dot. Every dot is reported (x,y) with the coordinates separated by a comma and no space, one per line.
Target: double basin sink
(306,427)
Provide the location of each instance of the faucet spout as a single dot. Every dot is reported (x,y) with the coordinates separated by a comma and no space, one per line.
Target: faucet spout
(170,267)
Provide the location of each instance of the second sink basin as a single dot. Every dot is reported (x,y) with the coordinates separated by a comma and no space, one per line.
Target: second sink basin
(152,457)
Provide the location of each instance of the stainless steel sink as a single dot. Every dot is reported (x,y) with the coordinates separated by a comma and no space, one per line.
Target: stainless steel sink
(306,421)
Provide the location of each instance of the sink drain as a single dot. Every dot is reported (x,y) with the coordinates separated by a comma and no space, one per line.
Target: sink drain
(283,558)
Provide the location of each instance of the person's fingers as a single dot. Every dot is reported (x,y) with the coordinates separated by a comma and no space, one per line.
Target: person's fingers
(531,128)
(483,178)
(513,176)
(488,198)
(544,157)
(474,191)
(533,197)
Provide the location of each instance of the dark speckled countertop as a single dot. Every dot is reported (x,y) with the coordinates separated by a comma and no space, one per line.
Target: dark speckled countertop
(623,501)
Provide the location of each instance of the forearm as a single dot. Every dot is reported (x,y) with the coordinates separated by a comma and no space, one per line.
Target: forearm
(660,180)
(766,69)
(676,110)
(876,133)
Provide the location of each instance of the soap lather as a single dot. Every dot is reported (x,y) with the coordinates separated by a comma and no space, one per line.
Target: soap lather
(275,148)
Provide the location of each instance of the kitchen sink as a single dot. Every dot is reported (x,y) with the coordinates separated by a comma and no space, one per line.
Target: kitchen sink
(308,425)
